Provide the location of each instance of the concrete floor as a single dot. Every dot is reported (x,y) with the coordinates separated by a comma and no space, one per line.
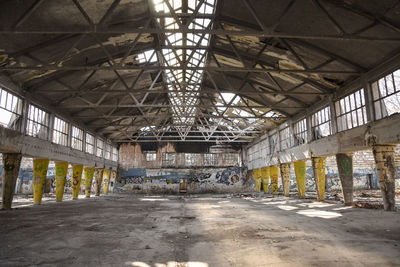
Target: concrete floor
(202,230)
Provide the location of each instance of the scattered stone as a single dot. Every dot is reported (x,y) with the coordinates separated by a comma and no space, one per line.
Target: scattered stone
(368,205)
(183,217)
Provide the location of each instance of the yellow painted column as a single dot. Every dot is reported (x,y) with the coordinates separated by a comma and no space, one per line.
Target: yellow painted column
(98,177)
(257,178)
(61,177)
(106,181)
(76,180)
(319,176)
(274,174)
(89,172)
(265,178)
(40,167)
(300,172)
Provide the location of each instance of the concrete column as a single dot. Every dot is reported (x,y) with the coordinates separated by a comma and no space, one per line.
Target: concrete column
(89,172)
(384,160)
(98,177)
(285,176)
(76,180)
(300,172)
(265,178)
(61,177)
(274,174)
(40,167)
(257,179)
(345,166)
(11,164)
(113,178)
(106,181)
(318,165)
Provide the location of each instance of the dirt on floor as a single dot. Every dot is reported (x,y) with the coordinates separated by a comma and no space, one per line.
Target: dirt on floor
(197,230)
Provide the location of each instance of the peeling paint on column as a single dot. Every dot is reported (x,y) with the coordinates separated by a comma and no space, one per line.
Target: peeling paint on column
(39,178)
(76,180)
(319,176)
(11,163)
(106,181)
(60,177)
(285,176)
(257,179)
(300,173)
(89,172)
(98,178)
(274,174)
(345,167)
(384,159)
(265,178)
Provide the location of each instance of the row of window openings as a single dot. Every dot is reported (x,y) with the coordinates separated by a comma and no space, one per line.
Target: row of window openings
(195,158)
(38,126)
(350,113)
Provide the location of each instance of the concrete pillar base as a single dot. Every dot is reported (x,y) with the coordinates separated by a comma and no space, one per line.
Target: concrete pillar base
(98,179)
(11,164)
(300,172)
(384,159)
(318,165)
(345,166)
(285,175)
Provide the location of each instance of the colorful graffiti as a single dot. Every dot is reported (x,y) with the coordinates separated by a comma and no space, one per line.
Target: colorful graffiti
(39,178)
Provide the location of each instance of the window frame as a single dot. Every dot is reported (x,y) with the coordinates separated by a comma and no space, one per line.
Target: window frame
(75,138)
(319,120)
(4,106)
(32,121)
(378,101)
(300,132)
(348,110)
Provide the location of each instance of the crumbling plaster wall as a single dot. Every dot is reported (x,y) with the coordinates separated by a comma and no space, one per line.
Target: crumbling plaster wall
(137,175)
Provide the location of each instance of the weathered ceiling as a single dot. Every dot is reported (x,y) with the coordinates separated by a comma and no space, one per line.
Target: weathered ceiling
(265,60)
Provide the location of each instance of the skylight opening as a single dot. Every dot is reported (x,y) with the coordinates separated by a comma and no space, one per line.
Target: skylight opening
(148,56)
(179,79)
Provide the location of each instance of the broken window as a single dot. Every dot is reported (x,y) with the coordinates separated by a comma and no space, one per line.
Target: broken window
(192,159)
(60,132)
(211,159)
(77,138)
(37,123)
(321,123)
(285,138)
(99,147)
(10,109)
(351,111)
(300,132)
(169,159)
(151,156)
(230,159)
(107,151)
(114,154)
(89,147)
(386,95)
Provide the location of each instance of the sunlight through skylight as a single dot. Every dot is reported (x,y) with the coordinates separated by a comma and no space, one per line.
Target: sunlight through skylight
(184,83)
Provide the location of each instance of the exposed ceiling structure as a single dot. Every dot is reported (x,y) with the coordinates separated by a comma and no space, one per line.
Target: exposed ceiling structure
(191,70)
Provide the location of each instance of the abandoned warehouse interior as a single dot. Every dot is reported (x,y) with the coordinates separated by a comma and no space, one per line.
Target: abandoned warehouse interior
(200,132)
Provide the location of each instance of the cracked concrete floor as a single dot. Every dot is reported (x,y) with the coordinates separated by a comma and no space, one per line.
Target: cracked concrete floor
(201,230)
